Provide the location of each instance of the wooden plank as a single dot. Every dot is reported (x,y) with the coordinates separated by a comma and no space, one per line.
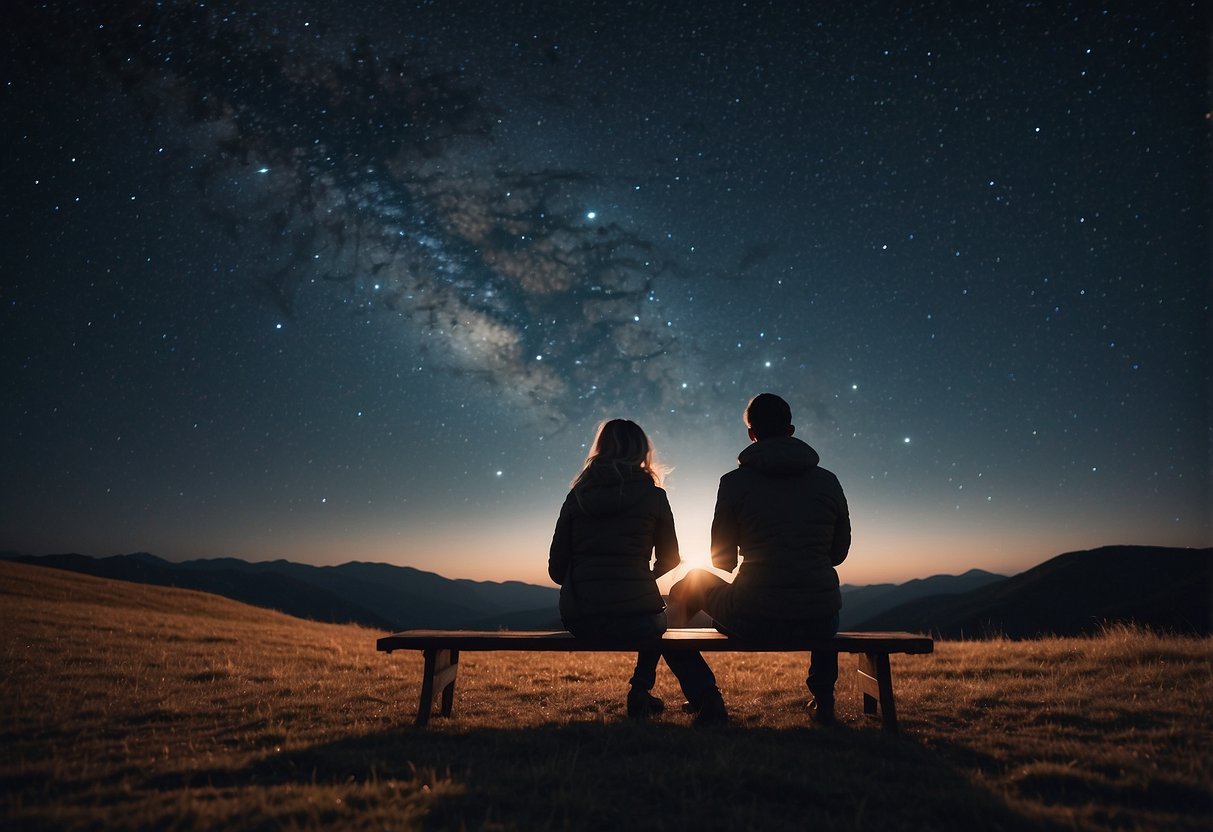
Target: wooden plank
(683,639)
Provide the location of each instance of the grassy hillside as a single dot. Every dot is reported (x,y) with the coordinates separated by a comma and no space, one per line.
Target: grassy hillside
(134,707)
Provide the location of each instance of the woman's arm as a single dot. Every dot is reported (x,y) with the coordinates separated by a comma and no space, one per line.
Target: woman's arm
(560,555)
(665,540)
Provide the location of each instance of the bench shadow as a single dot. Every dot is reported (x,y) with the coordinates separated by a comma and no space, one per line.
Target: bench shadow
(621,775)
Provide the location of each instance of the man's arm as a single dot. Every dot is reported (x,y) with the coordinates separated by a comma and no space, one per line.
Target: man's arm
(842,528)
(724,532)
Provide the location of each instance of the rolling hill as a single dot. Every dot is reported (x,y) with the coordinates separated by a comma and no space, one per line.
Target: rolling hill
(133,706)
(860,603)
(1075,593)
(373,594)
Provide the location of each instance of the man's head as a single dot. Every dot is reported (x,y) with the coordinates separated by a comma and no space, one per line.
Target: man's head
(768,416)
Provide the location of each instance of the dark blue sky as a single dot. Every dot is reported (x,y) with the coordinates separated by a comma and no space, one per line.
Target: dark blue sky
(286,280)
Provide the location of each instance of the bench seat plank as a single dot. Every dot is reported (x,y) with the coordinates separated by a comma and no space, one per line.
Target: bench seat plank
(707,640)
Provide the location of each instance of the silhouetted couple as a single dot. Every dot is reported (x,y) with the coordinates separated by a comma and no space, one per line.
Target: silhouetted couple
(784,515)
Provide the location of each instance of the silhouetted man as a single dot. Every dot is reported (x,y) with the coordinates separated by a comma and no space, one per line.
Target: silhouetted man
(788,520)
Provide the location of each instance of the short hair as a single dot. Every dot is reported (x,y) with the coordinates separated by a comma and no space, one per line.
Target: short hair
(767,416)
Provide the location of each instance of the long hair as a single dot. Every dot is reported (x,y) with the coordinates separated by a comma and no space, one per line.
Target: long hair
(622,445)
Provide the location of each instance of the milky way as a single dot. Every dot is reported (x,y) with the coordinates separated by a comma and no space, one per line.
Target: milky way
(353,164)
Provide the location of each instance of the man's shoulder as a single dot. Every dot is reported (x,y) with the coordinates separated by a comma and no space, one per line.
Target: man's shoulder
(735,477)
(744,477)
(827,473)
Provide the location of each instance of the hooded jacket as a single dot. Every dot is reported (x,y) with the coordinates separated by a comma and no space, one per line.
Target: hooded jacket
(788,520)
(608,529)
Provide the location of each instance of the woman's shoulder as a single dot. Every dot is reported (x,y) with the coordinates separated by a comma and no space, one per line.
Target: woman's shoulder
(658,494)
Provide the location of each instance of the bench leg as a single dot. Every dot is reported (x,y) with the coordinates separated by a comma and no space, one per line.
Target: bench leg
(441,667)
(448,691)
(876,682)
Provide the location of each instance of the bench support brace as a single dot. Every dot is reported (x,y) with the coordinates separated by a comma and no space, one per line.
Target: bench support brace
(876,682)
(441,667)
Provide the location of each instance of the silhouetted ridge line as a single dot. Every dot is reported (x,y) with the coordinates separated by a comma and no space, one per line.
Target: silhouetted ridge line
(859,603)
(375,595)
(1077,593)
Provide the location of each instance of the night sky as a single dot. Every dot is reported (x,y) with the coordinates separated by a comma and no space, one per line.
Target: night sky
(356,281)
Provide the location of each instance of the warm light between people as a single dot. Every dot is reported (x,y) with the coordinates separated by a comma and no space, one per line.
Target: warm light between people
(697,560)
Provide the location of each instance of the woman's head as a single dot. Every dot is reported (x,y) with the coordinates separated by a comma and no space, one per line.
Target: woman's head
(621,444)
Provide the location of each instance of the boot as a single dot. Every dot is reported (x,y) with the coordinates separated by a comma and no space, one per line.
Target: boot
(712,711)
(821,709)
(642,704)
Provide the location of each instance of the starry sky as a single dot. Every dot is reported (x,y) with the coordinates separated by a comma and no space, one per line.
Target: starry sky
(356,281)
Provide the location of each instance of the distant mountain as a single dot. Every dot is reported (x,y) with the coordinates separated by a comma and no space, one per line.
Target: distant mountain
(860,603)
(1073,594)
(1168,589)
(373,594)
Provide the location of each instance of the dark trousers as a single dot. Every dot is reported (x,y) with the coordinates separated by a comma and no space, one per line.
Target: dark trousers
(703,590)
(689,668)
(823,664)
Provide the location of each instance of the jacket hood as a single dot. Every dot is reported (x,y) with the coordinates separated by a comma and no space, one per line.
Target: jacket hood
(783,456)
(606,491)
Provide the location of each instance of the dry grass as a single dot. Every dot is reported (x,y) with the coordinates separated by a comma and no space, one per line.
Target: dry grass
(132,707)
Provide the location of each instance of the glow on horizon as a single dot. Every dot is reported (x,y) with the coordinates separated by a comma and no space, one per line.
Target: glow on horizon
(893,541)
(515,549)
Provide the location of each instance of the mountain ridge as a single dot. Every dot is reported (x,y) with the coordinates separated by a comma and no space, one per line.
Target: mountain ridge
(377,595)
(859,603)
(1072,593)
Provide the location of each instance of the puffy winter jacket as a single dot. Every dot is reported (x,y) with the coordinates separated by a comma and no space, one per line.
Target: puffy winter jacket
(788,520)
(604,541)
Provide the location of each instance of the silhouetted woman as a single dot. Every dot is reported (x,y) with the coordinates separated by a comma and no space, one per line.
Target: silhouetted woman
(614,519)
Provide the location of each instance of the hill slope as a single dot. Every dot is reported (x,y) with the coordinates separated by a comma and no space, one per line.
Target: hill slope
(128,706)
(1075,593)
(859,603)
(372,594)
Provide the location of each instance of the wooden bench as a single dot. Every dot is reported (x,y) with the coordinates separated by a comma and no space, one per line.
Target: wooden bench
(441,650)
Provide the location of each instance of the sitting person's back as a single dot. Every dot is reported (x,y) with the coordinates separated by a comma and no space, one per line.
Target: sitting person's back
(788,519)
(614,537)
(610,525)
